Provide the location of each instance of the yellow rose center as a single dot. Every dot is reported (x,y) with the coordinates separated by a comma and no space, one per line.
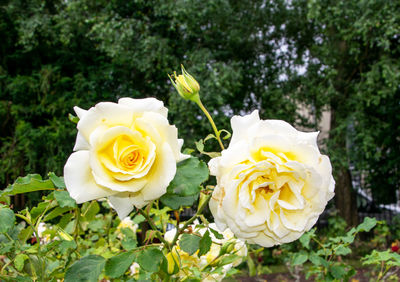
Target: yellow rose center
(126,154)
(275,177)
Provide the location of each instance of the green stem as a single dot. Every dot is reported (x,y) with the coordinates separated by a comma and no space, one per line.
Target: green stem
(154,227)
(36,233)
(321,245)
(217,133)
(9,237)
(76,231)
(187,223)
(5,266)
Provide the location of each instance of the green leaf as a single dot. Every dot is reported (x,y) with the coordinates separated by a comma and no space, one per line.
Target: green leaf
(23,279)
(96,225)
(299,258)
(251,265)
(25,234)
(175,201)
(39,209)
(185,187)
(315,259)
(189,243)
(367,224)
(56,212)
(199,145)
(210,136)
(90,209)
(306,237)
(138,219)
(64,200)
(86,269)
(29,183)
(150,259)
(227,134)
(227,259)
(216,233)
(129,241)
(73,118)
(66,246)
(338,271)
(342,250)
(189,175)
(349,238)
(19,261)
(204,244)
(117,265)
(7,219)
(58,181)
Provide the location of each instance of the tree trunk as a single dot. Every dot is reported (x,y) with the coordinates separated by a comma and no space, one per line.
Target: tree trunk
(345,196)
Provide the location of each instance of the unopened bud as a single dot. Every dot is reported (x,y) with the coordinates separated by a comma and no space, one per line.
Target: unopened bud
(228,247)
(186,85)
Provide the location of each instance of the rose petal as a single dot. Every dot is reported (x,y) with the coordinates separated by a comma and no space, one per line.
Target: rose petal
(79,180)
(145,105)
(105,115)
(123,203)
(161,173)
(168,133)
(240,126)
(81,143)
(80,112)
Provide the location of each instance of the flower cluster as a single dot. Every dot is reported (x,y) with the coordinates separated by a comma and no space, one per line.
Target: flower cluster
(219,249)
(272,180)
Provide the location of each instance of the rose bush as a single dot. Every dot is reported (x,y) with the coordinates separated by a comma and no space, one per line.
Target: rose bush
(272,181)
(126,151)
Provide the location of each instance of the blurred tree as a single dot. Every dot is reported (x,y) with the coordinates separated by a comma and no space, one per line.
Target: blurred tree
(57,54)
(352,57)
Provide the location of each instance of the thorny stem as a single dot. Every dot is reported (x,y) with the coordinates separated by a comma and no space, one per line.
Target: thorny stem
(321,245)
(154,227)
(190,221)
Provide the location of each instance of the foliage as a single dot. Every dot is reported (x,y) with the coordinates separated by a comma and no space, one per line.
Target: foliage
(58,239)
(385,261)
(326,256)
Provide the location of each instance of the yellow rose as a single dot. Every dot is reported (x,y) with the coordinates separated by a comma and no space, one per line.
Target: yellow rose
(272,181)
(126,152)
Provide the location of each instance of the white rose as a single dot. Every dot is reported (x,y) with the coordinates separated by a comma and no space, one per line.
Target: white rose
(272,181)
(126,152)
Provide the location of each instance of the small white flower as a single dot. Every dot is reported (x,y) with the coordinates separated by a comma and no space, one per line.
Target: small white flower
(45,238)
(134,268)
(126,223)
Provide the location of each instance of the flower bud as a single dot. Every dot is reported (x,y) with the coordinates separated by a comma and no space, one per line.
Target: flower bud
(186,85)
(228,247)
(173,267)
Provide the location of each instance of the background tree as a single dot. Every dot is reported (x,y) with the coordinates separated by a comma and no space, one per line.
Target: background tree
(351,52)
(341,56)
(59,54)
